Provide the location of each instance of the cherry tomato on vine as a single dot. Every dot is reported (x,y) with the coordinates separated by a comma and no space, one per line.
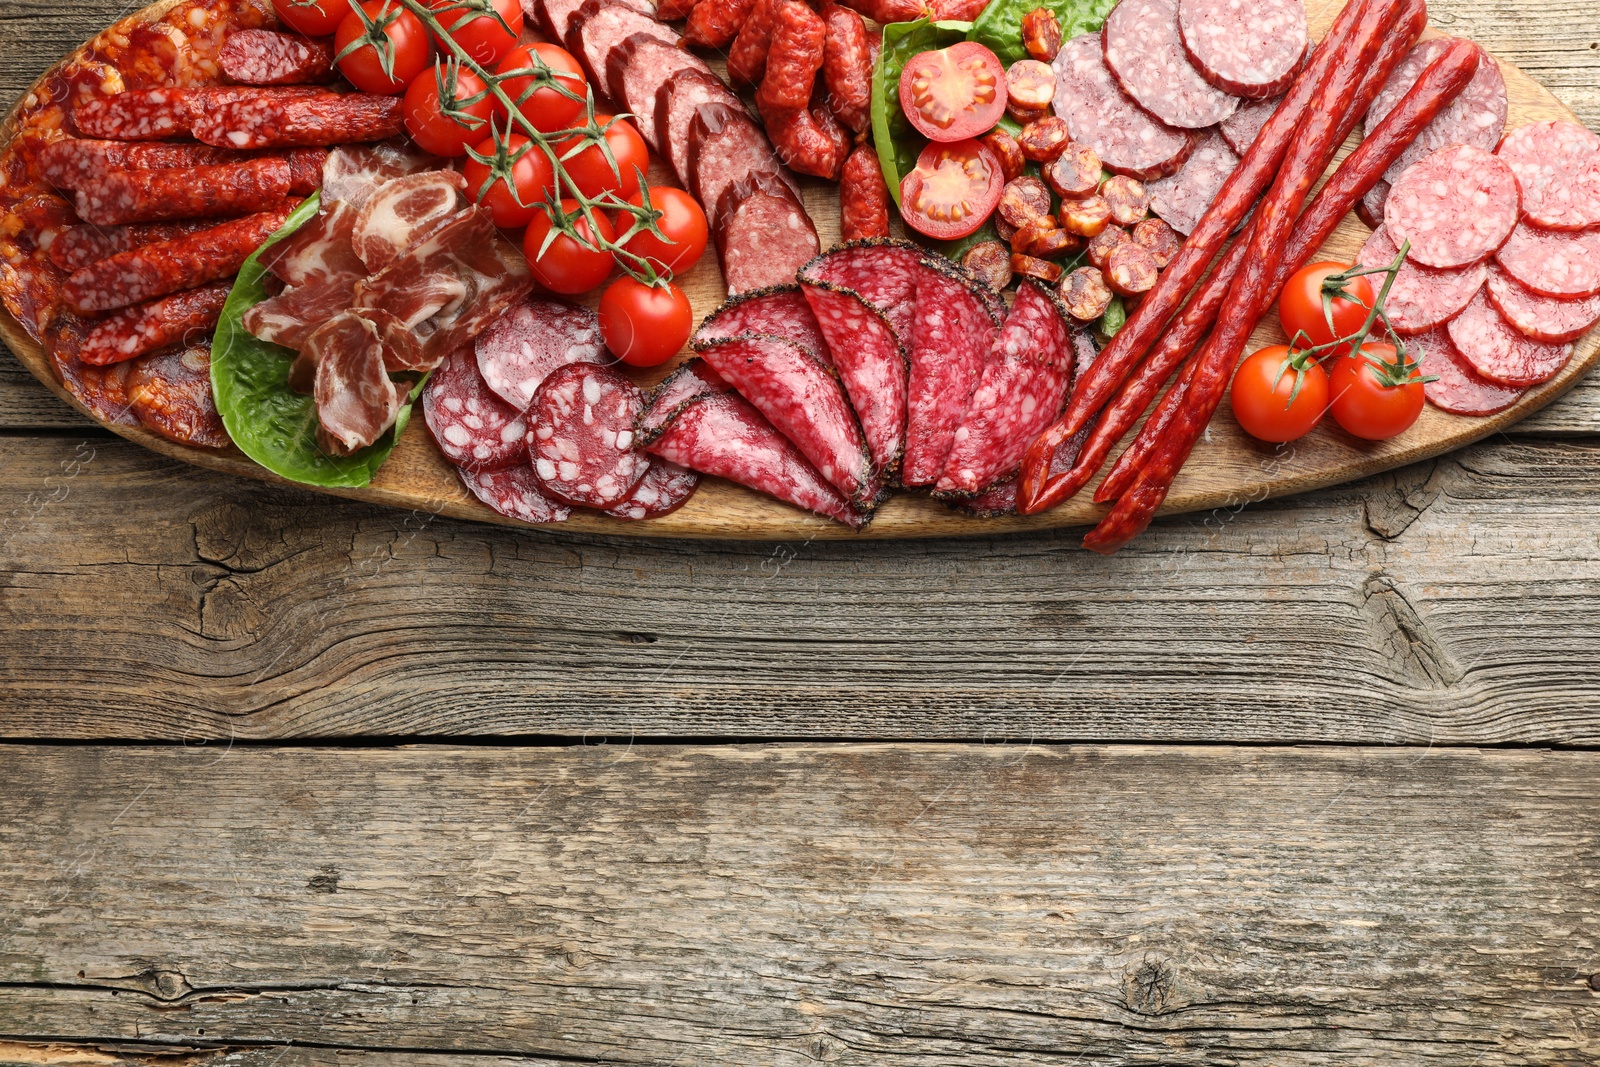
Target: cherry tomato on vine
(1300,305)
(314,18)
(589,168)
(954,93)
(567,266)
(644,325)
(682,222)
(510,180)
(395,51)
(485,29)
(425,104)
(1376,401)
(543,105)
(1262,390)
(952,190)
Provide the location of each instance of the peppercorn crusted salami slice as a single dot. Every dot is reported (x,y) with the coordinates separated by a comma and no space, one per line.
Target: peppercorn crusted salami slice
(1144,51)
(1252,50)
(951,336)
(692,380)
(515,493)
(1541,317)
(1183,197)
(1421,297)
(779,311)
(665,488)
(472,426)
(170,393)
(1476,117)
(884,273)
(532,340)
(1457,388)
(1499,353)
(1549,160)
(1552,263)
(870,362)
(580,435)
(1099,114)
(1456,207)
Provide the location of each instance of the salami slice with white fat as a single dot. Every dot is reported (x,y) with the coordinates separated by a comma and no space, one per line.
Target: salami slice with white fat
(665,488)
(534,338)
(472,426)
(1099,114)
(515,493)
(871,364)
(1500,353)
(1144,52)
(636,69)
(1242,127)
(1249,49)
(1553,263)
(725,146)
(580,435)
(677,101)
(1541,317)
(1456,207)
(951,336)
(1421,297)
(763,233)
(600,25)
(1182,198)
(693,379)
(780,311)
(1476,117)
(882,272)
(1550,160)
(1457,388)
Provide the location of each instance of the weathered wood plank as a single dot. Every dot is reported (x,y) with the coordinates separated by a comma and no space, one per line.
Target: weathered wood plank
(785,905)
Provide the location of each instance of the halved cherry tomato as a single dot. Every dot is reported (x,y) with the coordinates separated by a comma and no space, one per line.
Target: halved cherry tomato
(486,29)
(954,93)
(644,325)
(387,47)
(536,95)
(589,168)
(509,180)
(314,18)
(1300,306)
(953,189)
(1376,402)
(567,266)
(1262,390)
(425,104)
(682,223)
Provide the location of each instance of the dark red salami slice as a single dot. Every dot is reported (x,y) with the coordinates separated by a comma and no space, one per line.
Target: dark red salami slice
(1001,498)
(1252,50)
(82,245)
(1541,317)
(1369,209)
(1023,388)
(155,325)
(127,196)
(885,274)
(580,435)
(270,120)
(555,16)
(1499,353)
(266,57)
(72,162)
(1552,263)
(101,390)
(1456,207)
(725,146)
(1241,127)
(1100,115)
(1183,197)
(724,436)
(763,233)
(781,311)
(472,426)
(1421,297)
(665,488)
(1477,117)
(951,336)
(871,363)
(1144,52)
(693,379)
(536,337)
(168,111)
(1457,388)
(170,393)
(637,69)
(515,493)
(601,25)
(1549,160)
(678,100)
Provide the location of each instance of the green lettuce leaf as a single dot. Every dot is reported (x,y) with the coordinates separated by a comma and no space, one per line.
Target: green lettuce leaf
(999,28)
(897,141)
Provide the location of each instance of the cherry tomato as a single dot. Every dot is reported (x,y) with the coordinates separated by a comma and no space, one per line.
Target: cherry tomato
(486,29)
(954,93)
(540,102)
(589,168)
(1261,390)
(644,325)
(682,222)
(1300,306)
(953,189)
(1364,401)
(567,266)
(314,18)
(424,107)
(513,183)
(406,51)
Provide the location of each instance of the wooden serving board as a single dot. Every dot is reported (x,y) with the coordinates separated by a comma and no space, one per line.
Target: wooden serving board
(1229,469)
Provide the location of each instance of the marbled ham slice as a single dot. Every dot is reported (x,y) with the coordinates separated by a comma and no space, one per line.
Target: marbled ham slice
(356,401)
(401,211)
(321,249)
(354,172)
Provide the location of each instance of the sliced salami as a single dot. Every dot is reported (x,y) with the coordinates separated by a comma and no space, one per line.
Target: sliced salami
(601,25)
(1549,160)
(781,311)
(636,69)
(1421,297)
(170,393)
(515,493)
(580,435)
(266,57)
(677,101)
(155,325)
(1100,115)
(1552,263)
(555,16)
(692,380)
(532,340)
(1248,49)
(725,146)
(1457,388)
(1369,209)
(1541,317)
(763,233)
(1499,353)
(1145,53)
(1182,198)
(665,488)
(1240,128)
(871,363)
(472,426)
(951,336)
(1456,207)
(1477,117)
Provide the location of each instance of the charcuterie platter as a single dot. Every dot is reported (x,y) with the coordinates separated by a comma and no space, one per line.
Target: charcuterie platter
(1228,466)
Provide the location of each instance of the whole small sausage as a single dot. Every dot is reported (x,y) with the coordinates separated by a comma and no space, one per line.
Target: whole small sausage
(1159,239)
(1087,217)
(1030,84)
(1041,34)
(1086,293)
(1130,269)
(806,141)
(1032,267)
(1044,139)
(799,37)
(1102,244)
(847,67)
(1007,151)
(747,56)
(863,197)
(1128,197)
(1024,199)
(1075,173)
(715,23)
(884,12)
(990,261)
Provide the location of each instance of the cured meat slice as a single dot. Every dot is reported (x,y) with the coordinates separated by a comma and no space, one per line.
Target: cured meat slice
(356,400)
(692,380)
(1477,117)
(265,120)
(101,390)
(725,147)
(1369,209)
(1499,353)
(1541,317)
(1101,115)
(170,393)
(1551,263)
(580,435)
(1457,388)
(1023,387)
(763,233)
(804,399)
(82,245)
(353,172)
(951,336)
(472,426)
(1456,207)
(164,112)
(289,318)
(555,16)
(871,363)
(400,211)
(126,196)
(1549,159)
(72,162)
(1421,297)
(678,100)
(665,488)
(266,57)
(155,325)
(1183,197)
(320,249)
(1240,128)
(1145,53)
(515,493)
(1251,50)
(781,311)
(636,69)
(885,274)
(528,343)
(724,436)
(601,25)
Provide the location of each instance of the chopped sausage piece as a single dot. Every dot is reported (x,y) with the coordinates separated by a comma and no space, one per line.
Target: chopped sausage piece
(1025,115)
(1007,151)
(1088,217)
(1130,269)
(1041,34)
(1105,242)
(1086,293)
(1044,139)
(1128,197)
(1052,242)
(1024,199)
(1032,267)
(990,261)
(1030,85)
(1159,239)
(266,57)
(1075,173)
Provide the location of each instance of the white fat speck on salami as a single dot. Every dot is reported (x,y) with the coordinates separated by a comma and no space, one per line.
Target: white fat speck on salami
(1144,52)
(1550,160)
(472,426)
(1099,114)
(580,435)
(781,311)
(1250,48)
(1500,353)
(1182,198)
(951,336)
(1476,117)
(1542,318)
(1553,263)
(515,493)
(1421,297)
(1456,207)
(1457,388)
(665,488)
(522,347)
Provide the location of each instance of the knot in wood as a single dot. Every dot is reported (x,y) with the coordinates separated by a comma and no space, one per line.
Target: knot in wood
(1151,987)
(164,984)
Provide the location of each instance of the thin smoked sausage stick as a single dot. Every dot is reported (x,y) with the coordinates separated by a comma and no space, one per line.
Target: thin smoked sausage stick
(1252,291)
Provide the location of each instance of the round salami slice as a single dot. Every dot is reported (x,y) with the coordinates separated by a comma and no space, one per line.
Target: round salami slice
(1457,388)
(1240,128)
(580,435)
(1501,354)
(1421,297)
(665,488)
(1551,263)
(1101,115)
(1456,207)
(677,101)
(1477,117)
(1541,317)
(1369,209)
(725,144)
(1549,159)
(472,426)
(515,493)
(170,393)
(1183,198)
(600,25)
(1248,49)
(763,233)
(527,343)
(780,311)
(1144,52)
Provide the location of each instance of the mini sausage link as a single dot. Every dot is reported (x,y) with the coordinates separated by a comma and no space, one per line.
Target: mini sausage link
(1030,84)
(1102,244)
(1087,217)
(1044,270)
(1086,293)
(799,37)
(747,56)
(1044,139)
(1007,151)
(1024,199)
(863,197)
(1075,173)
(991,262)
(1130,269)
(1128,197)
(715,23)
(847,67)
(809,141)
(884,12)
(1159,239)
(1041,34)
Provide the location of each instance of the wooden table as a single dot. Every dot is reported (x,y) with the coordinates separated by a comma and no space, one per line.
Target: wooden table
(292,781)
